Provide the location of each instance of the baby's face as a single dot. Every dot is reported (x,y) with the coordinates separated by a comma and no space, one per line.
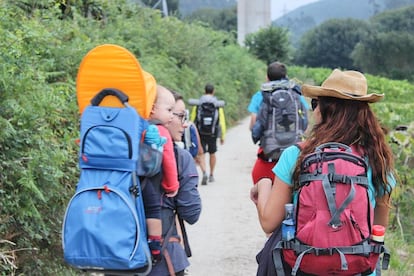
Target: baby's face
(163,107)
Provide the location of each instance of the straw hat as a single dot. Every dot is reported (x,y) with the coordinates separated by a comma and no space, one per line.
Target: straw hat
(349,85)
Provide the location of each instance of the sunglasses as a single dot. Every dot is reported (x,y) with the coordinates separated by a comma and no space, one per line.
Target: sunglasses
(314,104)
(181,116)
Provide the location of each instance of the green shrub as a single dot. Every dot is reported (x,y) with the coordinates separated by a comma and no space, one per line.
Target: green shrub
(40,54)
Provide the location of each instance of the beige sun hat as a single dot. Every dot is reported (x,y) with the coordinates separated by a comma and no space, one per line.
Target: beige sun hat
(349,85)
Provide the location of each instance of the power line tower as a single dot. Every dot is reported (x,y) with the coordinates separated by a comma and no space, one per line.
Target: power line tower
(164,6)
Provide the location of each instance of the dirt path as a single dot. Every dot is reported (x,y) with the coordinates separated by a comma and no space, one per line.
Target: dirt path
(228,236)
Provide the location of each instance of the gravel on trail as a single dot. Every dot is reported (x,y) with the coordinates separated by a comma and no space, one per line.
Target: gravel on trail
(228,235)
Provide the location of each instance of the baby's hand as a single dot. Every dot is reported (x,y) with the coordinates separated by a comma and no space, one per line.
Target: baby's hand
(171,194)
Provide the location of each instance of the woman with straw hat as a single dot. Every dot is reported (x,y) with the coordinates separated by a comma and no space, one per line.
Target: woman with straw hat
(343,115)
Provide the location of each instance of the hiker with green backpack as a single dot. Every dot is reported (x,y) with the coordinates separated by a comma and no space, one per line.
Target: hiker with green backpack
(340,181)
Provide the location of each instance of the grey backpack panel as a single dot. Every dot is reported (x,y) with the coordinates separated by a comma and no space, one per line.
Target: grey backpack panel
(284,123)
(207,115)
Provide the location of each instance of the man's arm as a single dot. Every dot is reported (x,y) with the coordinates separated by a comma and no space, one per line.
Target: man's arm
(254,107)
(252,120)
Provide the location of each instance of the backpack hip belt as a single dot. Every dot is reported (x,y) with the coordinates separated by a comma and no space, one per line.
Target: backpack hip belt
(333,217)
(302,249)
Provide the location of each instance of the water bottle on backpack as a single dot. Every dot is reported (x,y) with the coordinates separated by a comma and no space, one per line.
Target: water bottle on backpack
(288,224)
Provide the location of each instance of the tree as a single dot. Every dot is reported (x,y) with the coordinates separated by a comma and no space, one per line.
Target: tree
(330,44)
(223,19)
(269,44)
(387,50)
(39,117)
(400,20)
(387,54)
(393,4)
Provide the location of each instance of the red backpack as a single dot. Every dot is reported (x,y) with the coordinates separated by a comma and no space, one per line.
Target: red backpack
(334,217)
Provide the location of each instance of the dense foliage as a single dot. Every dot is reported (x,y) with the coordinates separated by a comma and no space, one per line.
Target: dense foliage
(40,52)
(382,46)
(303,19)
(269,44)
(188,7)
(387,49)
(222,19)
(374,36)
(330,45)
(41,48)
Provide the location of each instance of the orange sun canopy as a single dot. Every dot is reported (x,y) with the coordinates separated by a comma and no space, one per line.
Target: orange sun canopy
(112,66)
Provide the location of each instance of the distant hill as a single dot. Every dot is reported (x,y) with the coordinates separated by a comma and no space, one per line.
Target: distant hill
(304,18)
(187,7)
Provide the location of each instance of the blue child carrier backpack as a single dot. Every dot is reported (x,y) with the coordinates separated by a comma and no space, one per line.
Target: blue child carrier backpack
(104,227)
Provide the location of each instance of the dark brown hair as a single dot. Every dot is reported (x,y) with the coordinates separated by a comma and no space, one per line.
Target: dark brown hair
(352,123)
(209,88)
(276,71)
(177,96)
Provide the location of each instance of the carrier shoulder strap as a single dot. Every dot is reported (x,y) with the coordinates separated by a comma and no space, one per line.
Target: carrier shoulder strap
(164,250)
(180,220)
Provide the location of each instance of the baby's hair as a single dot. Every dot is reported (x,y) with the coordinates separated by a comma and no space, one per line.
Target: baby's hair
(160,89)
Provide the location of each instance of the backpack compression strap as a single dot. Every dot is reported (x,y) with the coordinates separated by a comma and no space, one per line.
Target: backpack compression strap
(187,248)
(329,190)
(302,249)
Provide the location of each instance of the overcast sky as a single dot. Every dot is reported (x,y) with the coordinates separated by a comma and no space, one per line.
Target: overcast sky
(281,7)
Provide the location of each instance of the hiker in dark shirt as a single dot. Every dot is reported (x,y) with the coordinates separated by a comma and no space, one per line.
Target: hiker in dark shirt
(209,133)
(186,204)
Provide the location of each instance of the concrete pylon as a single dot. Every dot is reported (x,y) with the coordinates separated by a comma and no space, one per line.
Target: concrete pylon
(252,15)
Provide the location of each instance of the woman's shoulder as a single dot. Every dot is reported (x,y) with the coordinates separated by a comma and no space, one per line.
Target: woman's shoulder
(290,154)
(292,150)
(185,162)
(284,167)
(184,155)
